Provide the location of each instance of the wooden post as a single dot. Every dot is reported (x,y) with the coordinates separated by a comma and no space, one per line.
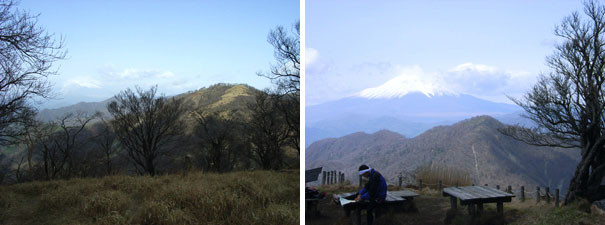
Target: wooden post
(522,193)
(498,187)
(537,194)
(333,176)
(486,185)
(343,178)
(547,189)
(454,203)
(439,185)
(500,207)
(419,184)
(400,181)
(358,216)
(557,197)
(509,189)
(323,178)
(471,209)
(479,208)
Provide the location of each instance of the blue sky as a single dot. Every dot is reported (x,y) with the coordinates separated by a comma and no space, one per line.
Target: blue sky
(179,45)
(488,49)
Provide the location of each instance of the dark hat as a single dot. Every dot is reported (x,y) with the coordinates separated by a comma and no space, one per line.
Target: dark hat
(363,167)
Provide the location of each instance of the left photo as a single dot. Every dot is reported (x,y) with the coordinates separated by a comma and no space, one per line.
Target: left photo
(155,112)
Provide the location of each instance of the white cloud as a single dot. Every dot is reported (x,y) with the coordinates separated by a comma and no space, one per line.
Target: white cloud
(87,82)
(131,73)
(469,67)
(311,56)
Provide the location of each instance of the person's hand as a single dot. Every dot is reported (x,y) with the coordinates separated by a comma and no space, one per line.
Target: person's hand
(358,198)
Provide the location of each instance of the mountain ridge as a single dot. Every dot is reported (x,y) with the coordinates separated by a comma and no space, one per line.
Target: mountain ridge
(410,114)
(216,97)
(474,145)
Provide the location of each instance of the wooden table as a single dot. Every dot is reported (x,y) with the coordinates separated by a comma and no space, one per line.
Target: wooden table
(406,194)
(477,196)
(390,201)
(409,205)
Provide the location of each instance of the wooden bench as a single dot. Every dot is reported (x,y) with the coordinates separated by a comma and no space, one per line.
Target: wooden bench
(477,196)
(390,201)
(409,204)
(312,203)
(406,194)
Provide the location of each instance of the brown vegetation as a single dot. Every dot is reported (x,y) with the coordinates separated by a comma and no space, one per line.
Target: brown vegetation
(260,197)
(449,176)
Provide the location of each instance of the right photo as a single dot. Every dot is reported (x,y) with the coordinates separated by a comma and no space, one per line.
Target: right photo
(454,112)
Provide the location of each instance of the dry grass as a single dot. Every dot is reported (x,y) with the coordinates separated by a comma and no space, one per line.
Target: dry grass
(259,197)
(450,176)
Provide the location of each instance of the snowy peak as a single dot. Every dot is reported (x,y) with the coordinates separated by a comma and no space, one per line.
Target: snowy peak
(410,80)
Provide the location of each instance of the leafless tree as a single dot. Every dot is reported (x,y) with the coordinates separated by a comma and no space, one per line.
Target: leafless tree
(106,141)
(568,103)
(58,149)
(268,131)
(35,132)
(218,136)
(27,53)
(145,124)
(286,71)
(289,106)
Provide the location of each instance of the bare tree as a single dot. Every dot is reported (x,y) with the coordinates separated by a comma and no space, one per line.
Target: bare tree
(568,103)
(285,74)
(27,53)
(58,149)
(286,71)
(35,133)
(289,106)
(145,124)
(106,141)
(218,138)
(268,131)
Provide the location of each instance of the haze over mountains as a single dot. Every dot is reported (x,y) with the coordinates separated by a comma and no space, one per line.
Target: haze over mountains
(473,145)
(410,114)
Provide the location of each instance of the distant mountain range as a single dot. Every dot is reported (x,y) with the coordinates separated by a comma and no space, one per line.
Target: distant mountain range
(409,115)
(474,145)
(218,97)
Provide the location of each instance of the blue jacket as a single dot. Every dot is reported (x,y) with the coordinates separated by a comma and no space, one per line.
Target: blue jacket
(375,188)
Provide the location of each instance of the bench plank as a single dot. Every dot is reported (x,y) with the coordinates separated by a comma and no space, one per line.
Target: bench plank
(404,193)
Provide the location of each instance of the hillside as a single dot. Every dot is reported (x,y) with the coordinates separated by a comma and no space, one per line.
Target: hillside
(473,145)
(217,97)
(259,197)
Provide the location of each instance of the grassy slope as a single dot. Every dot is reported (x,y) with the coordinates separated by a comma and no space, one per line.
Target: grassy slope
(433,208)
(259,197)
